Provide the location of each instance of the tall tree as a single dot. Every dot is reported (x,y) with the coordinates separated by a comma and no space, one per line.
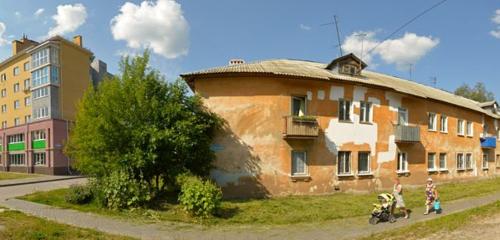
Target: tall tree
(477,93)
(140,125)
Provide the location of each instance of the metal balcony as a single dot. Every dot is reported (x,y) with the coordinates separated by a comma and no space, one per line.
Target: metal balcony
(407,134)
(305,127)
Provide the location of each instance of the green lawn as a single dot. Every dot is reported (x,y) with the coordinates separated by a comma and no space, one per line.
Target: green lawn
(20,226)
(283,210)
(13,175)
(443,224)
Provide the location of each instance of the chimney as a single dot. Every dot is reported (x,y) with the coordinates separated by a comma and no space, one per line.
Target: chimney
(23,43)
(236,61)
(16,47)
(78,40)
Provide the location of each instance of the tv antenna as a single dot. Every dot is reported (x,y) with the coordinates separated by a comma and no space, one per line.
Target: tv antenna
(361,36)
(336,22)
(434,81)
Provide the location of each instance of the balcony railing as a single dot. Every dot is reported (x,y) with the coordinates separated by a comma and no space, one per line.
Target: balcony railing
(407,134)
(488,142)
(305,127)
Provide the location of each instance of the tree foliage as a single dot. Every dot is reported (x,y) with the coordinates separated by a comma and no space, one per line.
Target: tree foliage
(477,93)
(139,125)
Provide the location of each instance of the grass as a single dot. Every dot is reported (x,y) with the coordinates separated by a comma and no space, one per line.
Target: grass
(12,175)
(20,226)
(279,211)
(446,223)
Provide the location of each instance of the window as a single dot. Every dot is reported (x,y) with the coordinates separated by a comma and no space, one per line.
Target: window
(460,161)
(444,124)
(27,118)
(299,163)
(4,108)
(16,159)
(402,162)
(40,135)
(16,87)
(42,112)
(27,101)
(4,124)
(3,77)
(4,92)
(40,76)
(40,92)
(468,161)
(26,66)
(365,109)
(298,106)
(26,84)
(16,71)
(364,163)
(442,161)
(344,110)
(432,122)
(344,163)
(16,104)
(54,75)
(485,161)
(16,138)
(460,127)
(431,162)
(39,158)
(40,58)
(17,121)
(470,129)
(402,116)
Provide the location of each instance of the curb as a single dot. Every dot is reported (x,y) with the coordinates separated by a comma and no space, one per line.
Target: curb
(34,181)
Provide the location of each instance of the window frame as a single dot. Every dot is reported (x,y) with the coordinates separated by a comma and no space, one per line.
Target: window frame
(460,156)
(341,157)
(443,126)
(471,133)
(21,161)
(471,167)
(432,122)
(365,111)
(16,71)
(485,161)
(368,163)
(345,106)
(39,162)
(433,169)
(403,112)
(460,127)
(306,170)
(292,105)
(445,168)
(402,162)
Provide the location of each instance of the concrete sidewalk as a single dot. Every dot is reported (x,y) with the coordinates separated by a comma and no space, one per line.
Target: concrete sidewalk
(35,179)
(337,229)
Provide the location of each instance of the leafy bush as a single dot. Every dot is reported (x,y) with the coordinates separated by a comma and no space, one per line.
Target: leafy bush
(120,191)
(79,194)
(199,197)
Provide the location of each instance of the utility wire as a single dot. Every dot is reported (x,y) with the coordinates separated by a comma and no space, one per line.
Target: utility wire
(408,23)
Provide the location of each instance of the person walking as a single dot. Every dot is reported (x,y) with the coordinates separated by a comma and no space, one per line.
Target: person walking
(398,194)
(431,195)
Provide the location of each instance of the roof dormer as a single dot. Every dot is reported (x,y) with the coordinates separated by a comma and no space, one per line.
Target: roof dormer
(348,64)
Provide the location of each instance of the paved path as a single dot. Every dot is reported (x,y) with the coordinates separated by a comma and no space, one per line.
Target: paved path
(337,229)
(35,179)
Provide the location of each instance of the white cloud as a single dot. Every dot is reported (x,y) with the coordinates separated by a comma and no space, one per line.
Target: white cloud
(68,19)
(402,52)
(3,41)
(38,12)
(159,26)
(496,19)
(305,27)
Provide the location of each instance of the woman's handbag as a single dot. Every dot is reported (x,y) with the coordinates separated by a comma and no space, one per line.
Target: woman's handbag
(437,206)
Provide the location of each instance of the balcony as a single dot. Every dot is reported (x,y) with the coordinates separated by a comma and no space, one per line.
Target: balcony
(304,127)
(407,134)
(488,142)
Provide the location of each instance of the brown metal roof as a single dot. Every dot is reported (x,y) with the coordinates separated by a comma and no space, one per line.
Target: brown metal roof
(308,69)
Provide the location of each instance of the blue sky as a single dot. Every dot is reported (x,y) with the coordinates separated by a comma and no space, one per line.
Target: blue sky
(454,43)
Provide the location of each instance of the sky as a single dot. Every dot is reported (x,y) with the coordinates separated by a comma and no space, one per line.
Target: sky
(457,42)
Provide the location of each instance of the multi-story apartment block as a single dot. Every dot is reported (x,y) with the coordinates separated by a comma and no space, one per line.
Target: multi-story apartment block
(301,127)
(40,85)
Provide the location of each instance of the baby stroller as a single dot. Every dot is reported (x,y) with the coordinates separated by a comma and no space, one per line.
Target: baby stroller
(382,211)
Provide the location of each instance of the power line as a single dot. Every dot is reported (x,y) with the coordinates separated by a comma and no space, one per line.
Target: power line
(335,21)
(408,23)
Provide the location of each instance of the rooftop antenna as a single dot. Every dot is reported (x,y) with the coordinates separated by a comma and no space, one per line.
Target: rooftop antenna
(434,81)
(336,22)
(362,36)
(411,71)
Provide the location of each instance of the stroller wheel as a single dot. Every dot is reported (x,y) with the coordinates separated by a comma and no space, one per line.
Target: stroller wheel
(374,220)
(392,219)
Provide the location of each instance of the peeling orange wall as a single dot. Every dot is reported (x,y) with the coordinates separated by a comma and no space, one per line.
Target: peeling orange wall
(253,159)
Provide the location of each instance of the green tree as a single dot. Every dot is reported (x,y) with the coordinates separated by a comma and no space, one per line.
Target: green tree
(139,125)
(477,93)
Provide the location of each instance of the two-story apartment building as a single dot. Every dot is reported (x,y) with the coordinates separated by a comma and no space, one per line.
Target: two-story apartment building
(302,127)
(40,85)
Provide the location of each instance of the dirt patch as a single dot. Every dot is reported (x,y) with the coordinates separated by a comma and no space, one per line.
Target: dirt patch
(487,228)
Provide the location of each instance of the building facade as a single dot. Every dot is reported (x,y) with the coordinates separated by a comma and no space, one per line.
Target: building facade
(301,127)
(40,85)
